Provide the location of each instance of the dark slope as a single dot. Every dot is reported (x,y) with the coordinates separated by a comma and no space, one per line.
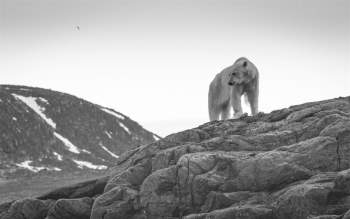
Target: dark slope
(46,129)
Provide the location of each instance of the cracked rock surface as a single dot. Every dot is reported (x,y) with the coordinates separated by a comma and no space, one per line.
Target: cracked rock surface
(292,163)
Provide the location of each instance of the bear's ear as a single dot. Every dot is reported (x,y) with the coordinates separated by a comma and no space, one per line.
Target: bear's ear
(245,64)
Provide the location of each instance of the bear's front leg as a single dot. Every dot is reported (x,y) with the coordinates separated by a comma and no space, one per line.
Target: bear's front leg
(236,104)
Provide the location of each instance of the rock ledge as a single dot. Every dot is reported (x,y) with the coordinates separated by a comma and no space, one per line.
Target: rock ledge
(292,163)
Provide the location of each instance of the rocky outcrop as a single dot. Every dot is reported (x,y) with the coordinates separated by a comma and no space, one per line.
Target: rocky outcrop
(71,209)
(292,163)
(48,130)
(89,188)
(27,208)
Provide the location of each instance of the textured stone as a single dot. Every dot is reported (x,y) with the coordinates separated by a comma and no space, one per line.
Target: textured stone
(27,208)
(292,163)
(88,188)
(119,202)
(71,209)
(237,212)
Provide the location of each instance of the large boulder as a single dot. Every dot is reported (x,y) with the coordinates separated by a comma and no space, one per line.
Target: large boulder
(27,208)
(290,163)
(84,189)
(71,209)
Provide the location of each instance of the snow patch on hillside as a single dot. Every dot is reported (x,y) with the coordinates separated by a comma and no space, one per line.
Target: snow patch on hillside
(24,89)
(71,147)
(86,151)
(155,137)
(108,151)
(44,100)
(81,164)
(108,134)
(26,165)
(31,102)
(59,157)
(124,127)
(113,113)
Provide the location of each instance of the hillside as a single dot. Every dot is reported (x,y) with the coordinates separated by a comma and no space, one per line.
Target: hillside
(292,163)
(48,130)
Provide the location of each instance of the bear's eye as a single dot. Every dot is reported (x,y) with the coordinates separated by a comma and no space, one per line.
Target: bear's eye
(234,73)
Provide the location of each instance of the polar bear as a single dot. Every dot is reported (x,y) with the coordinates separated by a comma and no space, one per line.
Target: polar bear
(225,91)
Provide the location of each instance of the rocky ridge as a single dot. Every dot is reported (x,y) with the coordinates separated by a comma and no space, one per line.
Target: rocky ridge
(43,129)
(292,163)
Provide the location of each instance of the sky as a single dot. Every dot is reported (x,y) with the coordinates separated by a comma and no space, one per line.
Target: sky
(153,60)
